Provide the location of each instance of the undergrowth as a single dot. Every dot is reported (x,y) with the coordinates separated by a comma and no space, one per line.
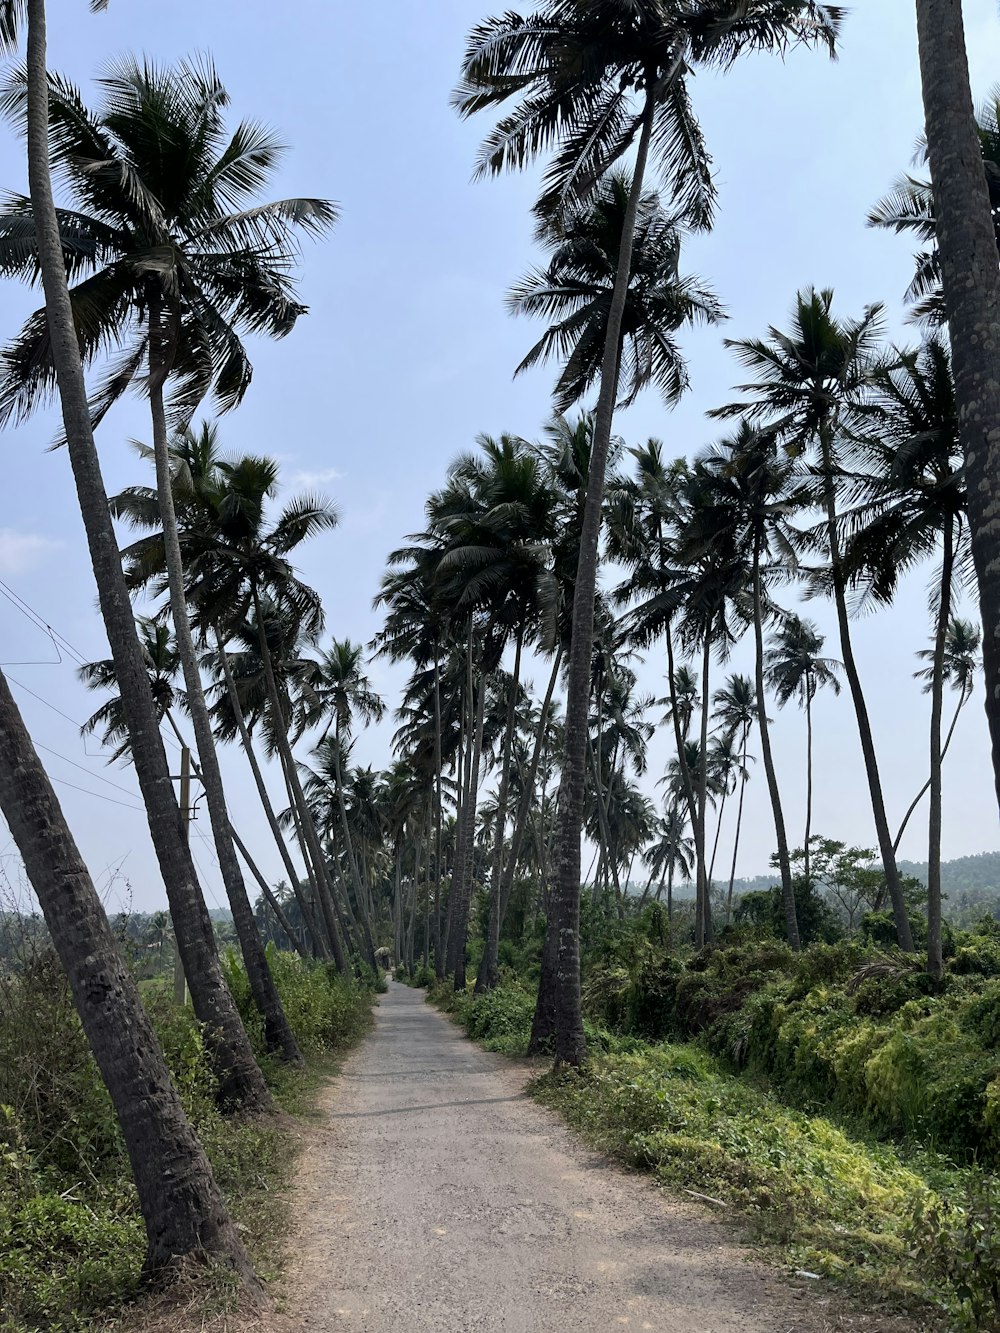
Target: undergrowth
(71,1238)
(896,1221)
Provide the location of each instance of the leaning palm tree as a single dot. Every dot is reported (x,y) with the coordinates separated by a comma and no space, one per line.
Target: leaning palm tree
(590,82)
(36,242)
(965,229)
(180,1202)
(794,669)
(174,260)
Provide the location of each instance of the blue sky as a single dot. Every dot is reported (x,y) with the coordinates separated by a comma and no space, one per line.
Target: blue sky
(407,355)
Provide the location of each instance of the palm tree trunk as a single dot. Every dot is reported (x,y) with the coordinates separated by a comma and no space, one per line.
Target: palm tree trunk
(488,974)
(718,834)
(903,932)
(241,1082)
(438,812)
(277,1030)
(703,906)
(467,800)
(181,1206)
(296,795)
(963,699)
(265,800)
(935,964)
(360,889)
(781,838)
(970,279)
(564,921)
(462,933)
(739,824)
(523,817)
(686,782)
(809,774)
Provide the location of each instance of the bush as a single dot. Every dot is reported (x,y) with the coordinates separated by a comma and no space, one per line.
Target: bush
(325,1010)
(959,1246)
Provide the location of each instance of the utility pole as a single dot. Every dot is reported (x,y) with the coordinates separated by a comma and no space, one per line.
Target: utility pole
(180,986)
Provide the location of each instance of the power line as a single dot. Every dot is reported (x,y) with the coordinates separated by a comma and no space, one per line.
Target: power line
(100,795)
(83,768)
(29,612)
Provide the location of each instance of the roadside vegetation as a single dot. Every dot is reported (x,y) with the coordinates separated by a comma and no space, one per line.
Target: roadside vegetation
(838,1101)
(71,1234)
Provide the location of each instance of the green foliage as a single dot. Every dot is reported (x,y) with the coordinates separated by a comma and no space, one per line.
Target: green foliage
(835,1205)
(958,1246)
(325,1010)
(72,1241)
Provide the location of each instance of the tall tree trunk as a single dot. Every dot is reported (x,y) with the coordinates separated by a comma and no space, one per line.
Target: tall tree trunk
(241,1082)
(564,920)
(277,1030)
(971,282)
(438,812)
(180,1202)
(488,974)
(360,888)
(679,737)
(467,800)
(462,920)
(809,773)
(739,824)
(272,822)
(703,904)
(963,699)
(903,933)
(296,796)
(780,836)
(935,964)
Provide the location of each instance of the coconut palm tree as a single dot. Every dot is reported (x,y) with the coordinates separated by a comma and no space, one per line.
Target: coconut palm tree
(671,850)
(811,386)
(735,710)
(794,669)
(961,663)
(575,289)
(589,83)
(181,1205)
(35,248)
(173,259)
(965,230)
(913,502)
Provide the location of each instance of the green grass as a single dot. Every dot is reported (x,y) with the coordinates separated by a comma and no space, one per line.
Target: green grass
(817,1193)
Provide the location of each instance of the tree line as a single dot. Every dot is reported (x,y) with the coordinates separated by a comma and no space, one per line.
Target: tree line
(847,462)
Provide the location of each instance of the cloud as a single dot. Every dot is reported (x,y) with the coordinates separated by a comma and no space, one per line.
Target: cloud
(312,479)
(21,551)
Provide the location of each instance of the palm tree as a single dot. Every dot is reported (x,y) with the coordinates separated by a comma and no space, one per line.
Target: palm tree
(811,387)
(43,257)
(575,291)
(913,500)
(961,662)
(236,558)
(909,210)
(672,850)
(970,279)
(180,1202)
(591,81)
(735,709)
(794,669)
(336,688)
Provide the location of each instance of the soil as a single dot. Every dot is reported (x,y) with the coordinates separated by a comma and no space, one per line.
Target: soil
(435,1195)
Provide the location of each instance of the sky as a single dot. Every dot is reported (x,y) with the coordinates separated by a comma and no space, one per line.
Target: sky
(407,355)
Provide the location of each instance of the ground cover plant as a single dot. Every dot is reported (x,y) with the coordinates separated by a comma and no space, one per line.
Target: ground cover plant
(71,1238)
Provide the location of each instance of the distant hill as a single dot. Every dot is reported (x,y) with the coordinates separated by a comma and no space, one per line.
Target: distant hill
(966,874)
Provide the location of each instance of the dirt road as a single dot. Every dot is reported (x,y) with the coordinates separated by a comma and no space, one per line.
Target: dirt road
(439,1197)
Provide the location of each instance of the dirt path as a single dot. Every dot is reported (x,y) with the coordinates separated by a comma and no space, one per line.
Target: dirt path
(439,1197)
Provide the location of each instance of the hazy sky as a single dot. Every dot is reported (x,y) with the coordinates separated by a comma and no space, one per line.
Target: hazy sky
(407,354)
